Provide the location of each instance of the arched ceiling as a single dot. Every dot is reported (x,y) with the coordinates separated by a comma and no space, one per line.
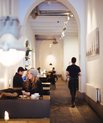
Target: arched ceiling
(50,19)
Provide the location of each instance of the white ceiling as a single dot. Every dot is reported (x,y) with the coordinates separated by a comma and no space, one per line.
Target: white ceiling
(48,20)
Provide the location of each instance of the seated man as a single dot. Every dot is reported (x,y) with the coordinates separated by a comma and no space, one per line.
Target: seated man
(17,79)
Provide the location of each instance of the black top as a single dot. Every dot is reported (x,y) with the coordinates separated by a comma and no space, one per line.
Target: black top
(73,70)
(17,80)
(33,87)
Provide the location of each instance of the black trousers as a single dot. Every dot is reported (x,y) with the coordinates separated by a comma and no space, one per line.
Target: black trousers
(73,86)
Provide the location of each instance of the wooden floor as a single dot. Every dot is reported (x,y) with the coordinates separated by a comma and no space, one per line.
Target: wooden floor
(62,112)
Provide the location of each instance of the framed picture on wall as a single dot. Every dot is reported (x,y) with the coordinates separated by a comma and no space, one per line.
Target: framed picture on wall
(92,46)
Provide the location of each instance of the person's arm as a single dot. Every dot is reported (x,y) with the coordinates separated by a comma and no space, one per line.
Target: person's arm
(79,74)
(67,75)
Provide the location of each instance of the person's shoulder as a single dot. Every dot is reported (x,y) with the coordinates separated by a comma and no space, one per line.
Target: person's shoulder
(69,66)
(78,67)
(15,76)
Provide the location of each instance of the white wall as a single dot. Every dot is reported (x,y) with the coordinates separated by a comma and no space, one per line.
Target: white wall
(71,49)
(94,64)
(44,52)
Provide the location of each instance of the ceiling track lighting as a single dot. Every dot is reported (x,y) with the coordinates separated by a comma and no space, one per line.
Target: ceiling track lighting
(69,16)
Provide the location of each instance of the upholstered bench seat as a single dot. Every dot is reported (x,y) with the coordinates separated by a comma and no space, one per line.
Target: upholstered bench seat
(25,108)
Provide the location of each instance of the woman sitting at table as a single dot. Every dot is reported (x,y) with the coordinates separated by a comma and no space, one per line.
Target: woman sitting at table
(33,84)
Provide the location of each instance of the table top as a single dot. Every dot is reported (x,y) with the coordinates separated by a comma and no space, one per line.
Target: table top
(44,97)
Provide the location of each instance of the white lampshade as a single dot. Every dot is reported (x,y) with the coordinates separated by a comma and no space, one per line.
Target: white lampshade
(9,25)
(10,37)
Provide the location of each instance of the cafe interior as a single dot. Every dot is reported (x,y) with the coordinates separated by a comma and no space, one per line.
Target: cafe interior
(42,35)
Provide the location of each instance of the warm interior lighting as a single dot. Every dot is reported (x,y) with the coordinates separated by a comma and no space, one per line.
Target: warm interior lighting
(50,62)
(51,59)
(6,41)
(50,45)
(11,57)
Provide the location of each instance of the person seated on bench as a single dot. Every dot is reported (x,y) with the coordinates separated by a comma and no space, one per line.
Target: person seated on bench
(52,77)
(33,83)
(17,79)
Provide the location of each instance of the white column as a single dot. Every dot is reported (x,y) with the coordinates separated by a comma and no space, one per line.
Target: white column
(9,7)
(14,7)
